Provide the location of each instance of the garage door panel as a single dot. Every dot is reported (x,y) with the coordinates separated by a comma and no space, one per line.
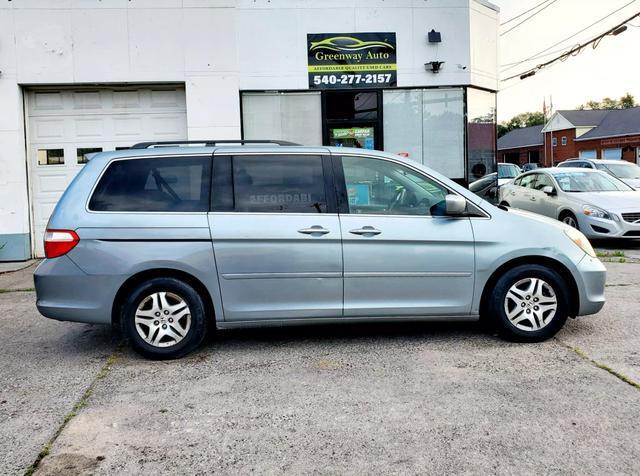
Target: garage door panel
(93,128)
(105,118)
(46,101)
(47,129)
(162,98)
(127,126)
(164,126)
(87,100)
(52,183)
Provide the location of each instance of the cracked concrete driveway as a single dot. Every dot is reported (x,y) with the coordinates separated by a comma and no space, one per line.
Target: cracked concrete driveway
(402,398)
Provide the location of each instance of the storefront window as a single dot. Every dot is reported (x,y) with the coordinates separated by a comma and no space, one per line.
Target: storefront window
(294,117)
(427,125)
(481,133)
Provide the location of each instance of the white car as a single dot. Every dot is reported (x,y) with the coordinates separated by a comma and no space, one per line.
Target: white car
(596,203)
(626,171)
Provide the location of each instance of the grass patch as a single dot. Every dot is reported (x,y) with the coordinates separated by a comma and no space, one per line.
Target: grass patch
(602,366)
(19,290)
(610,254)
(79,405)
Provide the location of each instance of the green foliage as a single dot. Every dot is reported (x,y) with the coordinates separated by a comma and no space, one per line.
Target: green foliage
(526,119)
(624,102)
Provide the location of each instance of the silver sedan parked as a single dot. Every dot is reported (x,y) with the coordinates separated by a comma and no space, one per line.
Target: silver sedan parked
(599,205)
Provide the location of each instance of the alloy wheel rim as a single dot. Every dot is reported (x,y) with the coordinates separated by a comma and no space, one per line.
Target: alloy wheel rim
(530,304)
(163,319)
(570,221)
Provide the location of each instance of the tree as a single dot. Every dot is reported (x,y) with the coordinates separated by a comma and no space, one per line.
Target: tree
(525,119)
(624,102)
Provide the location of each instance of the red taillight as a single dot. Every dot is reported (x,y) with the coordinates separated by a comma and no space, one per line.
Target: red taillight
(59,242)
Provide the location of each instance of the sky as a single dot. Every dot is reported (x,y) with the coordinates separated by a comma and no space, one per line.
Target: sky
(612,69)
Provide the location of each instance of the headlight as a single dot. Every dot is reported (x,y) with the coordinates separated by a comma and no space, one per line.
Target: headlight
(579,239)
(595,212)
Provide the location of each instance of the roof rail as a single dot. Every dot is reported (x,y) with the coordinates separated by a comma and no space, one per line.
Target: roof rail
(208,143)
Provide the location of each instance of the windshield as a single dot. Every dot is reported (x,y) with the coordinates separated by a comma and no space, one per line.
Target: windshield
(622,170)
(590,182)
(508,171)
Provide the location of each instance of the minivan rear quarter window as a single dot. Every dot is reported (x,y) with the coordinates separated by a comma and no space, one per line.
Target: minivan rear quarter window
(172,184)
(284,184)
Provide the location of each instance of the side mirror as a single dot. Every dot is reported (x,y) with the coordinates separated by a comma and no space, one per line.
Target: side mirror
(493,192)
(455,205)
(549,190)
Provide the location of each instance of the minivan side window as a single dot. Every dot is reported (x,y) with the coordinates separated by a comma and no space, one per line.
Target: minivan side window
(282,184)
(171,184)
(386,188)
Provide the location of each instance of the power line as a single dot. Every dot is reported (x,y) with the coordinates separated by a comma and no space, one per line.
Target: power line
(559,50)
(524,13)
(528,18)
(539,55)
(595,41)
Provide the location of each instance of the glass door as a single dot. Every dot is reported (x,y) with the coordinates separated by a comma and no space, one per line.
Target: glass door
(351,119)
(362,137)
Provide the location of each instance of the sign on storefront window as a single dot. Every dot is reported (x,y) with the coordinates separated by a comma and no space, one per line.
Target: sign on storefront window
(351,60)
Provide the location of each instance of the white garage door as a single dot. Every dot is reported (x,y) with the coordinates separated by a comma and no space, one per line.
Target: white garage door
(66,124)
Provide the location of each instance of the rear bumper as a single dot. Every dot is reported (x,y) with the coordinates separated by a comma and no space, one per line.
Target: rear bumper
(66,293)
(591,285)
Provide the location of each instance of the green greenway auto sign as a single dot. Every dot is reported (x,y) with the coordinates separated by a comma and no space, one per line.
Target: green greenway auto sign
(351,60)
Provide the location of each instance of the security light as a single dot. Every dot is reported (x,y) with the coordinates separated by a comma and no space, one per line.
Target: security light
(433,66)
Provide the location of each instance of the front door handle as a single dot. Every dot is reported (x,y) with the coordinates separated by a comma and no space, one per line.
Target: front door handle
(314,230)
(365,230)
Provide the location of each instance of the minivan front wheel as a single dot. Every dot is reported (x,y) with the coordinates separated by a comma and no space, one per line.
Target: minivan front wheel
(529,303)
(164,318)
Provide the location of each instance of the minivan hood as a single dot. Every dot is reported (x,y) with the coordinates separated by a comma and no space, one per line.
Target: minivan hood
(612,201)
(539,218)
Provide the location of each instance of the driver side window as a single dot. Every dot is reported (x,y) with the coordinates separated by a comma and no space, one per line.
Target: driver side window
(385,188)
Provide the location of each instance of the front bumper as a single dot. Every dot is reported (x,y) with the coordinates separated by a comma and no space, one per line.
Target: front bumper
(591,279)
(599,228)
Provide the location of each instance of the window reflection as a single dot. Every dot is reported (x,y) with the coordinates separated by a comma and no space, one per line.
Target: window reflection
(481,133)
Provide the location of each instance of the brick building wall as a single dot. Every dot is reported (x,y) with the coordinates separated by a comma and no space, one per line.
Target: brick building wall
(521,155)
(560,152)
(629,146)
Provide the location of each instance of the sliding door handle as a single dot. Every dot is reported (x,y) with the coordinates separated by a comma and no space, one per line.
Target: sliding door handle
(365,230)
(314,230)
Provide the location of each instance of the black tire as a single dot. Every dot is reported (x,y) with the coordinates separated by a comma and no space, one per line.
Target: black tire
(195,333)
(497,315)
(565,215)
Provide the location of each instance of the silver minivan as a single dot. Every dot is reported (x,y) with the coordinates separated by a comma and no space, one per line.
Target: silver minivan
(172,241)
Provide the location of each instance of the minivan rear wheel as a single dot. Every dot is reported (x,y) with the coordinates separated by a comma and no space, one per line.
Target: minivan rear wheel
(529,303)
(164,318)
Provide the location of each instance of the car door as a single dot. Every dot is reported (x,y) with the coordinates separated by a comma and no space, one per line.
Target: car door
(519,196)
(541,202)
(401,256)
(276,236)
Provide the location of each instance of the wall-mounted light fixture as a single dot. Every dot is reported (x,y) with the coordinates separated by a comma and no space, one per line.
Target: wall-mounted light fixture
(433,66)
(434,36)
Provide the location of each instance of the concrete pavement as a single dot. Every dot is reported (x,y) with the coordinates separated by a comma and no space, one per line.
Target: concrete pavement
(401,398)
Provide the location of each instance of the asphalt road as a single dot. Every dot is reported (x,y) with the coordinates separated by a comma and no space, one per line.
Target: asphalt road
(402,398)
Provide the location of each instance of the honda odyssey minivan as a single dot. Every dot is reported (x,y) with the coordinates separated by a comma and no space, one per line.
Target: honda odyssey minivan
(172,240)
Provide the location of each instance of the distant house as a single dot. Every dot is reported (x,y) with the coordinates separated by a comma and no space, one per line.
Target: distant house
(522,145)
(595,134)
